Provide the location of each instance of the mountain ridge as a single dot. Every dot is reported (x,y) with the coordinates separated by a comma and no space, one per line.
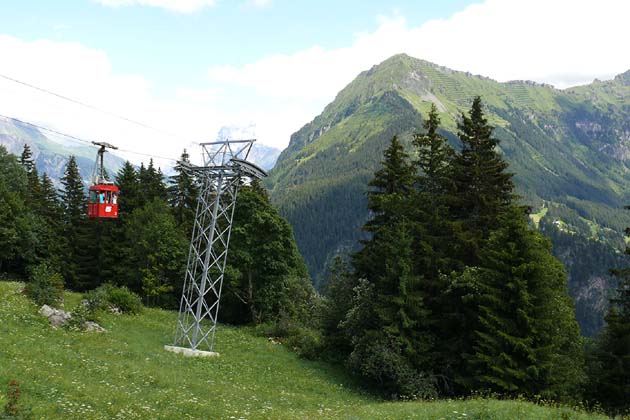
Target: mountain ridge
(568,150)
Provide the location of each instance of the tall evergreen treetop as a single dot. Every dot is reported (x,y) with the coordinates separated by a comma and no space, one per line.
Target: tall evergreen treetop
(127,181)
(391,183)
(72,195)
(483,188)
(26,158)
(434,155)
(481,177)
(182,194)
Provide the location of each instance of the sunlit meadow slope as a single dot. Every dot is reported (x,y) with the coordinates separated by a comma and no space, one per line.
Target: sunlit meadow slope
(125,374)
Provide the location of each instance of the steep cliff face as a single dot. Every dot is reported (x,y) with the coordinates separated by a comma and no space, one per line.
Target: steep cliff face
(569,150)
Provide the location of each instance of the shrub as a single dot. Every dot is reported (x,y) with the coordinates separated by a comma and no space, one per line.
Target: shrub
(125,299)
(98,299)
(80,315)
(305,342)
(380,360)
(45,286)
(103,296)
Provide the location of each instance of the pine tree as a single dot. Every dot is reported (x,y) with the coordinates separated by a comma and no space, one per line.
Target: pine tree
(610,375)
(434,158)
(156,254)
(483,188)
(74,205)
(34,186)
(129,186)
(26,158)
(151,183)
(15,231)
(520,290)
(182,195)
(387,202)
(388,332)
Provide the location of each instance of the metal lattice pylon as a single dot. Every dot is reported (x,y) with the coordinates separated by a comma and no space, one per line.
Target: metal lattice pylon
(224,167)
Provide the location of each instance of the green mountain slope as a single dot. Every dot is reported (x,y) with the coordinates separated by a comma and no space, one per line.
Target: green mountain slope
(125,373)
(569,151)
(51,153)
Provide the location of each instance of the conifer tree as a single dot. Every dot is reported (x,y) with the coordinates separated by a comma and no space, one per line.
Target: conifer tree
(182,195)
(483,188)
(526,339)
(128,184)
(26,158)
(14,227)
(34,186)
(387,202)
(267,278)
(151,183)
(610,375)
(74,205)
(394,314)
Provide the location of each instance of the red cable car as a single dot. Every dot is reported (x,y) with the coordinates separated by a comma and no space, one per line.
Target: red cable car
(103,197)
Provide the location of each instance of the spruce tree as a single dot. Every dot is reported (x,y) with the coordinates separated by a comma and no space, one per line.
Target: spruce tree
(15,230)
(388,200)
(483,189)
(610,371)
(182,195)
(526,339)
(74,205)
(129,186)
(34,186)
(394,314)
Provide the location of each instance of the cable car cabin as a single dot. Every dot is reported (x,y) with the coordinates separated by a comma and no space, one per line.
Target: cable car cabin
(103,201)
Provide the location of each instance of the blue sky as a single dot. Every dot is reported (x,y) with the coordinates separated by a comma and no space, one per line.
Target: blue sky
(172,48)
(191,67)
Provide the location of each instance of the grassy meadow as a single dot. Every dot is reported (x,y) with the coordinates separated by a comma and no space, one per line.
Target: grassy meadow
(126,374)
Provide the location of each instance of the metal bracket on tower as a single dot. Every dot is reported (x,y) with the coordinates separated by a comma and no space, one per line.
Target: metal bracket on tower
(225,165)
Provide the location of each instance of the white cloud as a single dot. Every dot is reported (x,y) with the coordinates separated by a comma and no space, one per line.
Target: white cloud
(86,75)
(560,42)
(179,6)
(259,4)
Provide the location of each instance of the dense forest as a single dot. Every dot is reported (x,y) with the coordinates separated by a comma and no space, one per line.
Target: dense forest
(452,291)
(145,249)
(455,292)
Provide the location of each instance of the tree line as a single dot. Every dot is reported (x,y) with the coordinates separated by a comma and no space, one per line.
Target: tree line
(145,249)
(454,292)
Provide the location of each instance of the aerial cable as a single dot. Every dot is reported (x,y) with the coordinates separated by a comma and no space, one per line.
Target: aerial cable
(78,139)
(92,107)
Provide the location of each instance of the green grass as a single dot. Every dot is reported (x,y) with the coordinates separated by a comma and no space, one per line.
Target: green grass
(126,374)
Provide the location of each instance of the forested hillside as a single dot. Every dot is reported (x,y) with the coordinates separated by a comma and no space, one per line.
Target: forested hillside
(566,148)
(146,247)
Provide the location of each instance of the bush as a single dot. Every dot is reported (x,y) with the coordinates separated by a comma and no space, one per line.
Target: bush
(101,298)
(305,342)
(80,315)
(377,358)
(45,286)
(125,299)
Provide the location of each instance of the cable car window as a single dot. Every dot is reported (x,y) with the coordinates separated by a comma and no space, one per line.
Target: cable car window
(108,197)
(114,198)
(93,198)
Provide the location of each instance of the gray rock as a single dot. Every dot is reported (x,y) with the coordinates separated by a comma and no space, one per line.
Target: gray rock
(93,326)
(56,320)
(46,311)
(56,317)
